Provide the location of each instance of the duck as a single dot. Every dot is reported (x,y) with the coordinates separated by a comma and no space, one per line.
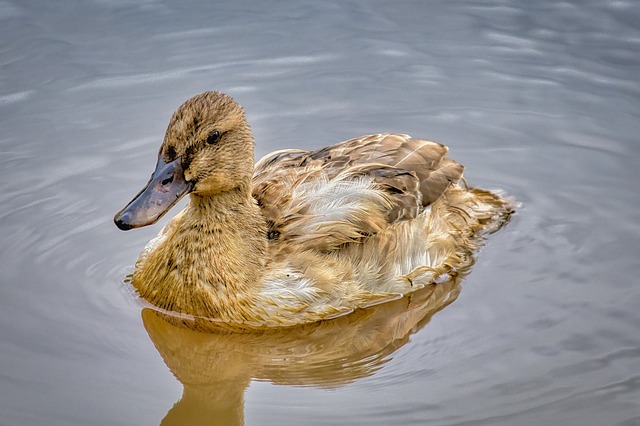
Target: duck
(301,236)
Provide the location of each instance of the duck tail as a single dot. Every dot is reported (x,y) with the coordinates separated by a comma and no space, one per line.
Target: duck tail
(492,209)
(461,220)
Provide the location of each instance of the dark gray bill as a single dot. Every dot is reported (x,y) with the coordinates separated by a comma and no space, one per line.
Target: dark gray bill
(166,186)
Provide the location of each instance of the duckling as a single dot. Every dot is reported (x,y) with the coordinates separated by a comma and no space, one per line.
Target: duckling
(302,236)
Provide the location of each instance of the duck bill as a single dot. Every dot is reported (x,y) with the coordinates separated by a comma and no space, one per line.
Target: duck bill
(165,188)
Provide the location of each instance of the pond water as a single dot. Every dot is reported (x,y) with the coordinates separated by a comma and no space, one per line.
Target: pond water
(539,99)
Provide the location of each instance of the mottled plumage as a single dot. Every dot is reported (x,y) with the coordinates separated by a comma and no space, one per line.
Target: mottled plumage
(304,235)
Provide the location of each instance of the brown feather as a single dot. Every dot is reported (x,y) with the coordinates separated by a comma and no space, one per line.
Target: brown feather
(413,173)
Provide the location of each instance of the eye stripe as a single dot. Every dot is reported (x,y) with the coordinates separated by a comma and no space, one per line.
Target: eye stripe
(171,153)
(187,157)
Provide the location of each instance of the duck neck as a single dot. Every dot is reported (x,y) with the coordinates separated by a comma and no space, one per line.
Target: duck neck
(211,263)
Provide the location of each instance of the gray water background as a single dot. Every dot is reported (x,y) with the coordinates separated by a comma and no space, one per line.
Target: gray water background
(540,99)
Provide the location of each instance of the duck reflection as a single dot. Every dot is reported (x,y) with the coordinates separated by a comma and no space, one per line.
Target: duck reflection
(216,367)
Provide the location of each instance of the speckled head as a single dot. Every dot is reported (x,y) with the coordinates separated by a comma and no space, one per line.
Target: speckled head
(208,149)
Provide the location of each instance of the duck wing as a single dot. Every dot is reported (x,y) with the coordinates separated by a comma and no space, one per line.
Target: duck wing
(426,158)
(348,191)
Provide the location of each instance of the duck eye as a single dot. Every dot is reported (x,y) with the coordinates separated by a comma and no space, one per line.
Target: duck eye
(213,138)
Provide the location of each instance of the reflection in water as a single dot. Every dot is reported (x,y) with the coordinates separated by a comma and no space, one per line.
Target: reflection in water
(216,368)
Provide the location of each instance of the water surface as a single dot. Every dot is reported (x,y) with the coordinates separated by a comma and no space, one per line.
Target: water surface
(541,100)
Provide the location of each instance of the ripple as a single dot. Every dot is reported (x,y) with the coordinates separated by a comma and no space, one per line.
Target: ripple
(15,97)
(179,73)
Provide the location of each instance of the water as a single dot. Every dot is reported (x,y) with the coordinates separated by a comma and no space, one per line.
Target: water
(541,100)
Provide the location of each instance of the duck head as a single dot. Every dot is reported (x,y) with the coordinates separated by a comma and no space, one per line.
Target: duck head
(207,149)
